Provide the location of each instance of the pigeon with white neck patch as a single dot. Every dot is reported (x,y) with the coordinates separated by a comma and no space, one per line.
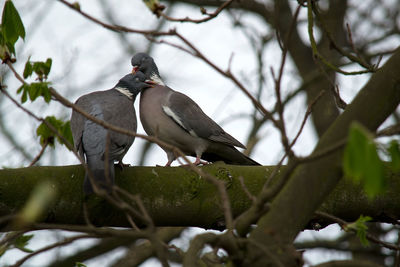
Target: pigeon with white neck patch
(177,120)
(101,146)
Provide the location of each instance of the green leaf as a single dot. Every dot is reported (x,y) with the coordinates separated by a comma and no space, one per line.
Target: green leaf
(67,133)
(46,93)
(354,152)
(154,6)
(28,69)
(22,241)
(79,264)
(12,26)
(361,162)
(20,89)
(42,69)
(4,51)
(361,228)
(2,39)
(47,66)
(24,96)
(10,47)
(394,153)
(48,136)
(76,5)
(34,91)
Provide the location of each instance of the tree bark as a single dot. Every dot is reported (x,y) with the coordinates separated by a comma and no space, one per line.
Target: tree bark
(310,183)
(176,196)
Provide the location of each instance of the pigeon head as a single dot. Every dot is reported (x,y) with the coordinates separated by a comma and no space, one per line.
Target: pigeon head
(145,63)
(132,84)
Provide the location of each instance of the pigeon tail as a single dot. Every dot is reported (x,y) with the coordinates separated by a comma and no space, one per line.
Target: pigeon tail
(229,155)
(103,180)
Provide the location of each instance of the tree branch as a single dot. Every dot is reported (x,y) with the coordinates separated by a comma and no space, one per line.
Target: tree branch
(174,196)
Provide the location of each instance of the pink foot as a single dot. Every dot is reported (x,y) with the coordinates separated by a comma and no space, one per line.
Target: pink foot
(199,161)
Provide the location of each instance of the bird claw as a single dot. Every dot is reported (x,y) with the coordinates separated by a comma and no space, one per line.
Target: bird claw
(121,165)
(200,162)
(197,163)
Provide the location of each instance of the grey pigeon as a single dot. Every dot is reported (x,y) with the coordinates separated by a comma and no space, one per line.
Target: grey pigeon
(100,146)
(177,120)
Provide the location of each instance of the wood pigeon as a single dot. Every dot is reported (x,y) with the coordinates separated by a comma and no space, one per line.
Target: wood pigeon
(101,147)
(177,120)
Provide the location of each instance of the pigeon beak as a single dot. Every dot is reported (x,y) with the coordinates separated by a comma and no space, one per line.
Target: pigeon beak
(151,82)
(135,69)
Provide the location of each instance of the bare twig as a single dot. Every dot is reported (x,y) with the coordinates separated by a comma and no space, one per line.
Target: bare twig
(315,51)
(36,159)
(116,28)
(100,232)
(195,53)
(280,107)
(203,11)
(66,241)
(343,225)
(389,131)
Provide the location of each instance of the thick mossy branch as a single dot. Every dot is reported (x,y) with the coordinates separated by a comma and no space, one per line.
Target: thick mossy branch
(176,196)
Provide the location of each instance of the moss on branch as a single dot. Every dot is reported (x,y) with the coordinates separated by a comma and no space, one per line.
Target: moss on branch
(175,196)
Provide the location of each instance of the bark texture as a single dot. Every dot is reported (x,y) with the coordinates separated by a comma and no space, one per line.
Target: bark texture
(177,196)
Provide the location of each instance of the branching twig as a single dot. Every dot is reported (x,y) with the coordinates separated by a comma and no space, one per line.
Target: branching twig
(343,225)
(315,51)
(278,80)
(116,28)
(203,11)
(66,241)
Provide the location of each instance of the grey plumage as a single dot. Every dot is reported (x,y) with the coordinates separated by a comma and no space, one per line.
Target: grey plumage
(100,146)
(176,119)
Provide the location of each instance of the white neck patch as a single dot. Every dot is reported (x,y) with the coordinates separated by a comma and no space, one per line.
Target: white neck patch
(155,78)
(124,91)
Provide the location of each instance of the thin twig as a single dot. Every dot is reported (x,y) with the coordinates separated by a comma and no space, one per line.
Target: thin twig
(116,28)
(36,159)
(315,51)
(100,232)
(389,131)
(66,241)
(203,11)
(343,224)
(278,80)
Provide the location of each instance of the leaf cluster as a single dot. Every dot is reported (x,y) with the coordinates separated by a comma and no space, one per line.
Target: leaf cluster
(360,228)
(41,69)
(36,89)
(47,135)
